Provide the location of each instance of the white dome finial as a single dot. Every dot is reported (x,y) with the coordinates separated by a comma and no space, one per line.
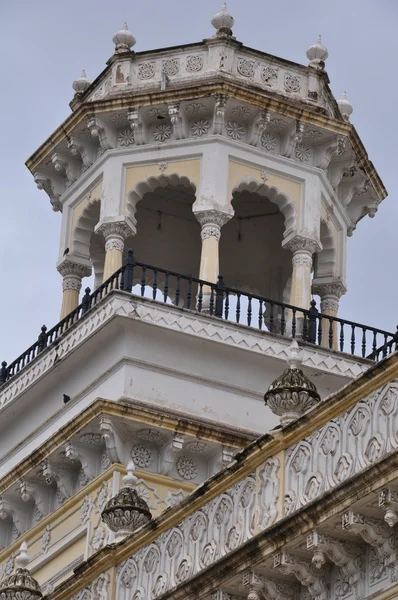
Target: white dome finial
(317,54)
(294,359)
(345,106)
(223,22)
(22,559)
(81,84)
(123,40)
(130,479)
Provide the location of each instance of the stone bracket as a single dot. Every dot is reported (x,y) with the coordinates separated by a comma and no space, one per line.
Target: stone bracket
(113,440)
(314,581)
(177,121)
(137,126)
(168,453)
(388,500)
(99,130)
(258,127)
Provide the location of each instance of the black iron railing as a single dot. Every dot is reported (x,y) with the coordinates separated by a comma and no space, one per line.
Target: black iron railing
(219,300)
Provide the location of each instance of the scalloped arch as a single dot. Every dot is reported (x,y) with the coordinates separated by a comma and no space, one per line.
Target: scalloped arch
(326,259)
(283,202)
(153,183)
(81,236)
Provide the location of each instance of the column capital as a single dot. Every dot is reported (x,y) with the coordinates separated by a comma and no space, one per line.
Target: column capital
(329,289)
(300,243)
(73,273)
(211,222)
(115,232)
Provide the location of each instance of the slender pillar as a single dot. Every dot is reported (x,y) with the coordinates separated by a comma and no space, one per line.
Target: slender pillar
(330,294)
(303,249)
(114,233)
(211,222)
(72,274)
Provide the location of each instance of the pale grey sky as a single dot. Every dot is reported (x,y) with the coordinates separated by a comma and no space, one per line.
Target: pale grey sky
(44,46)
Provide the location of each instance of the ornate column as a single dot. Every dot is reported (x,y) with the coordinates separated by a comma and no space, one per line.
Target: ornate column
(72,274)
(211,222)
(330,293)
(303,249)
(114,232)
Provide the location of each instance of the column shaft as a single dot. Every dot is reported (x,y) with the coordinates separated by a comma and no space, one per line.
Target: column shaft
(115,233)
(72,274)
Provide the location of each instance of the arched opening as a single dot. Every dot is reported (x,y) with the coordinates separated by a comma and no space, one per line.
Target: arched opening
(325,261)
(251,254)
(168,234)
(87,244)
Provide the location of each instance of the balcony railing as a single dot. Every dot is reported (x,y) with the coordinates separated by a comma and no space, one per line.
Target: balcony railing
(219,300)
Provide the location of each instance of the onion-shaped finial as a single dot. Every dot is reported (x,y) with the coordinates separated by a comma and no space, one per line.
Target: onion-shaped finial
(21,584)
(345,106)
(81,84)
(127,511)
(123,40)
(223,22)
(317,54)
(291,394)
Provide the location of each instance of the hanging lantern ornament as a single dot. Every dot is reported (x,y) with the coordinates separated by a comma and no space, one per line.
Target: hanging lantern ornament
(223,22)
(20,585)
(127,511)
(291,394)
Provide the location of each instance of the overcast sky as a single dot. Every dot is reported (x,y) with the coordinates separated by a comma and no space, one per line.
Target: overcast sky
(44,46)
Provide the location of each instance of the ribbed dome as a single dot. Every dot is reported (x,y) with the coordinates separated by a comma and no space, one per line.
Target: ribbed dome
(292,393)
(127,511)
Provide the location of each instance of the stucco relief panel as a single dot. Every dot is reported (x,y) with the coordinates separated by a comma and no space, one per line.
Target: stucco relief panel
(345,446)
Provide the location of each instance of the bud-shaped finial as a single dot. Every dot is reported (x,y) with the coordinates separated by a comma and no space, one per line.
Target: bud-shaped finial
(345,106)
(130,479)
(123,40)
(81,84)
(223,22)
(317,54)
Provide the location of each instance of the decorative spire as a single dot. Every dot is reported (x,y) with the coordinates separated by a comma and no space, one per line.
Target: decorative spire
(291,394)
(223,22)
(81,84)
(127,511)
(317,54)
(21,584)
(345,106)
(123,40)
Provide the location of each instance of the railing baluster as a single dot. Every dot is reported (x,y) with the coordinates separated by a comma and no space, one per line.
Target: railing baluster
(271,317)
(226,306)
(238,307)
(305,325)
(385,346)
(331,333)
(260,314)
(200,297)
(211,302)
(249,311)
(143,281)
(155,284)
(166,286)
(341,337)
(312,318)
(352,339)
(319,331)
(3,372)
(220,290)
(363,342)
(374,344)
(283,321)
(294,323)
(178,291)
(189,293)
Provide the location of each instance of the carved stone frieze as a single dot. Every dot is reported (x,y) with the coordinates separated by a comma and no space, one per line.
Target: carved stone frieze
(349,444)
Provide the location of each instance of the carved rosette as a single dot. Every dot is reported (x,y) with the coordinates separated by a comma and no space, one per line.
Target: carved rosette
(115,234)
(73,274)
(211,222)
(330,294)
(302,248)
